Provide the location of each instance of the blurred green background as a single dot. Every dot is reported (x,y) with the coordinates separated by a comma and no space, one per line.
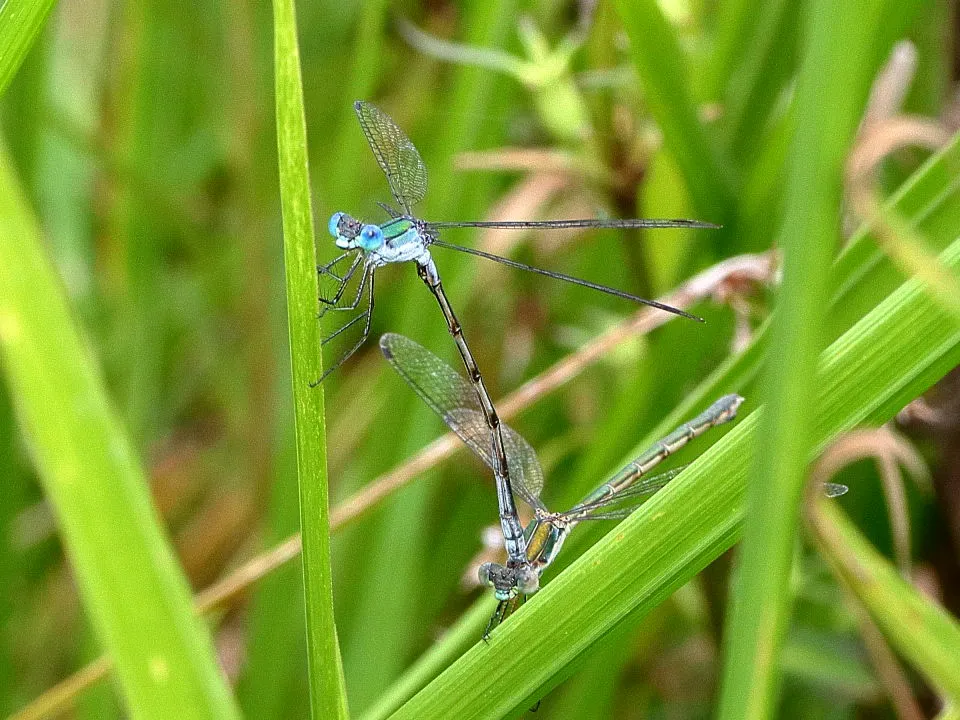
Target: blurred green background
(143,135)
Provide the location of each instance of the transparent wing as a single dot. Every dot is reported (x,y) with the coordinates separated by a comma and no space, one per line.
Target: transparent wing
(635,495)
(832,490)
(595,223)
(396,155)
(565,278)
(454,399)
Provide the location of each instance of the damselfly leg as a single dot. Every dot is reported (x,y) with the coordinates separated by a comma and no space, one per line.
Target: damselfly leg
(342,282)
(366,282)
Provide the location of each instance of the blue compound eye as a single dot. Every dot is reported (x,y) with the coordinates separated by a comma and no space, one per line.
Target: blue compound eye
(334,226)
(371,237)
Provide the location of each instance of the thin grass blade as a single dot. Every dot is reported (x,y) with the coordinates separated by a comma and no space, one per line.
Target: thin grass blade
(20,23)
(840,37)
(327,693)
(661,66)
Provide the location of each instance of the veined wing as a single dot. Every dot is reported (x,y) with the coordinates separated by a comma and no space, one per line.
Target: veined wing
(565,278)
(595,223)
(634,495)
(454,399)
(396,155)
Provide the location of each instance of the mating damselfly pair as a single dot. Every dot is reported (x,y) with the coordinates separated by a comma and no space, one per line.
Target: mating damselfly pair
(406,238)
(465,405)
(451,397)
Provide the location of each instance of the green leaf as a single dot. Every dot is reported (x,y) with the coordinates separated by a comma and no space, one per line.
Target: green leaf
(916,626)
(129,579)
(327,696)
(765,47)
(839,37)
(661,67)
(20,23)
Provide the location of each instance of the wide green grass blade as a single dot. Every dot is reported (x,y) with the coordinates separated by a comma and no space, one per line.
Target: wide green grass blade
(903,346)
(20,23)
(916,626)
(661,66)
(327,694)
(132,587)
(840,37)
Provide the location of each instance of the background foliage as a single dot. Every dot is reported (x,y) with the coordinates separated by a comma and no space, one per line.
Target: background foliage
(141,162)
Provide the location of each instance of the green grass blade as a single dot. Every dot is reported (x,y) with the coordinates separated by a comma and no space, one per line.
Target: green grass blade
(20,23)
(132,587)
(902,347)
(917,627)
(767,63)
(327,695)
(840,37)
(736,29)
(660,65)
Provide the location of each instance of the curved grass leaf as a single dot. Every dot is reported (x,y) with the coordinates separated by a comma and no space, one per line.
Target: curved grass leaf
(131,584)
(915,625)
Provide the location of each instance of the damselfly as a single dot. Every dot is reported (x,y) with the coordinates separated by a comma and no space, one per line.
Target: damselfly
(454,400)
(407,238)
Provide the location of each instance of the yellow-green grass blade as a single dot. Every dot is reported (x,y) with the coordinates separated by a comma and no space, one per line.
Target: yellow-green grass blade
(840,36)
(132,588)
(898,350)
(918,628)
(327,695)
(20,23)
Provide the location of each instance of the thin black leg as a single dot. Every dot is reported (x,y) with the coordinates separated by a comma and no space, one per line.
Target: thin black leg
(367,280)
(344,281)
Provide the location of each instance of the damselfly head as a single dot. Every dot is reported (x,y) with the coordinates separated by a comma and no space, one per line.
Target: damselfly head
(502,579)
(508,582)
(345,229)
